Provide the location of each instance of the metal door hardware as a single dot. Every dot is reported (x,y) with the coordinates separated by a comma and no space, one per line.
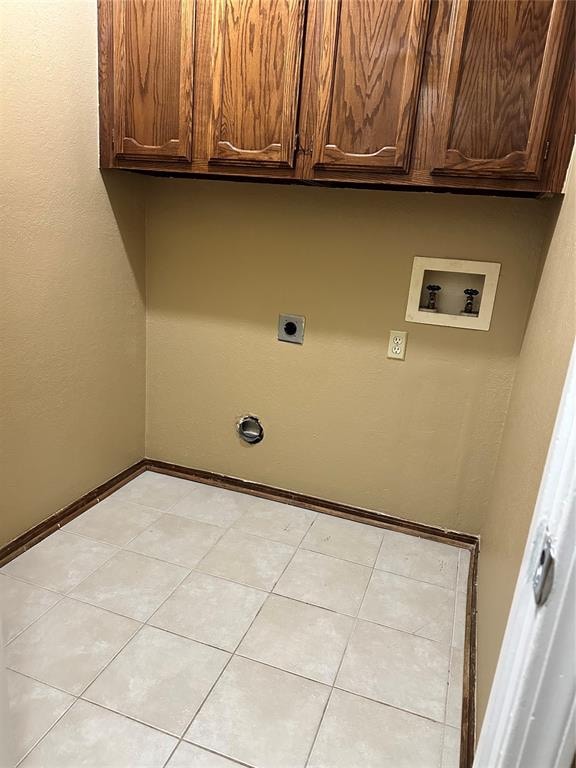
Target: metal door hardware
(544,574)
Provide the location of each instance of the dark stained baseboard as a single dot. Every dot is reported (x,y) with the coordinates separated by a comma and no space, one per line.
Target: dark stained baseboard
(468,541)
(34,535)
(313,502)
(468,725)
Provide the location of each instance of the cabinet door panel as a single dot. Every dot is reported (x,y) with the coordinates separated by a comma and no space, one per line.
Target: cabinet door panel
(497,86)
(153,52)
(368,82)
(256,81)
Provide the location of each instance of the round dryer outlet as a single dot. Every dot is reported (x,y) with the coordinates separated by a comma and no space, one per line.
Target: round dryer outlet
(250,429)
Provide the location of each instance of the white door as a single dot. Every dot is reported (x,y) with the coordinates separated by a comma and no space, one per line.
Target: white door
(531,719)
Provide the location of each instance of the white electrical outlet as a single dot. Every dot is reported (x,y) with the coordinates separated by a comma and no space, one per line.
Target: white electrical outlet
(397,345)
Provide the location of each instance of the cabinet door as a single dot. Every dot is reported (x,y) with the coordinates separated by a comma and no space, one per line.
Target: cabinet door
(257,50)
(370,61)
(498,85)
(153,53)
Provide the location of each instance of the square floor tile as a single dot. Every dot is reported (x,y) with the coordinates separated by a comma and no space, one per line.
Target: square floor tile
(189,756)
(210,610)
(325,581)
(92,737)
(463,568)
(395,668)
(357,733)
(159,679)
(153,489)
(299,638)
(247,559)
(21,604)
(131,584)
(177,540)
(345,539)
(420,559)
(33,708)
(260,715)
(60,562)
(412,606)
(114,521)
(69,645)
(209,504)
(451,748)
(272,520)
(455,689)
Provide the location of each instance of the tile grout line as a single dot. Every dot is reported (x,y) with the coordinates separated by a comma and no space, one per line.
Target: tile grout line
(218,754)
(450,663)
(148,623)
(142,625)
(123,548)
(18,634)
(298,547)
(195,570)
(356,619)
(232,655)
(74,586)
(42,682)
(35,744)
(440,535)
(78,700)
(79,697)
(205,699)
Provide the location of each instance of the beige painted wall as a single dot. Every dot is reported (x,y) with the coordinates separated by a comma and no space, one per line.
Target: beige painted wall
(533,405)
(418,439)
(71,273)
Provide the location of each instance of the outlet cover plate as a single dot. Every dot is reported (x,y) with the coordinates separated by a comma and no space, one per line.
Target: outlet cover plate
(291,328)
(397,345)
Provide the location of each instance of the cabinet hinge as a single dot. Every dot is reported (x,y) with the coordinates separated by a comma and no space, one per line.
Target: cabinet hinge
(546,149)
(300,149)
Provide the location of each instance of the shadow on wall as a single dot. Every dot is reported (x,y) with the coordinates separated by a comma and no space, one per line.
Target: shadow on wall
(245,252)
(126,195)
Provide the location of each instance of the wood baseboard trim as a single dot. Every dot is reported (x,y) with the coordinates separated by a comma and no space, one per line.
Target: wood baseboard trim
(296,499)
(468,724)
(34,535)
(468,732)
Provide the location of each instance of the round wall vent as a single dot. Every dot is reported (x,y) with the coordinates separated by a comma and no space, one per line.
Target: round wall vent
(250,429)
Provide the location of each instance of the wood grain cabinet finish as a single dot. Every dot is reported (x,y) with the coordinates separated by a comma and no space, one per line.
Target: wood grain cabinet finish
(445,94)
(368,83)
(497,88)
(152,44)
(257,52)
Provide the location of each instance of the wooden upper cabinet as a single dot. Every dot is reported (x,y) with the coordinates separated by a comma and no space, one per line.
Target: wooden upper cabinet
(370,61)
(256,52)
(152,58)
(497,88)
(460,94)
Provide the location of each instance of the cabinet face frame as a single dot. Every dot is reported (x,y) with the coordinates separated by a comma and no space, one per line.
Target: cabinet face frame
(518,164)
(389,159)
(424,157)
(277,154)
(178,148)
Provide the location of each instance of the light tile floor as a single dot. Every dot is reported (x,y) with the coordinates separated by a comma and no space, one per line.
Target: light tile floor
(176,624)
